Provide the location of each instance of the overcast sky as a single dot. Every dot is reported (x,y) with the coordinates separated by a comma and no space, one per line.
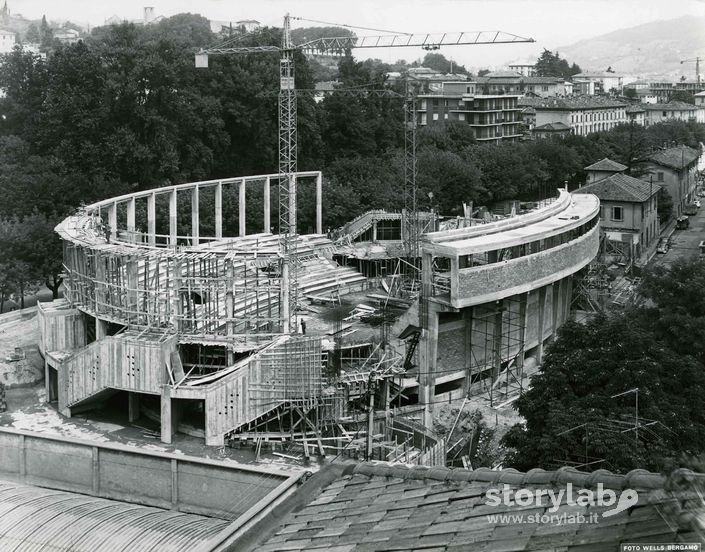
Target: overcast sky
(552,23)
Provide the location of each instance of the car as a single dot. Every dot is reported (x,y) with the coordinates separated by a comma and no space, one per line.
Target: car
(697,203)
(662,246)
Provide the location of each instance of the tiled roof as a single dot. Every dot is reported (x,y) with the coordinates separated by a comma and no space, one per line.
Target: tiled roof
(553,126)
(676,158)
(503,74)
(635,108)
(606,165)
(577,102)
(541,80)
(381,507)
(671,106)
(620,187)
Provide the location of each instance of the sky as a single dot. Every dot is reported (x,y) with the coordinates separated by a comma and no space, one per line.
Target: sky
(551,23)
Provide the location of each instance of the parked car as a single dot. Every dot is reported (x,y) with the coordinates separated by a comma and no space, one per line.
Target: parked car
(662,246)
(682,222)
(690,209)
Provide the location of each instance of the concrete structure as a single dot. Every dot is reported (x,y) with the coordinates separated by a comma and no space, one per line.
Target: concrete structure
(663,112)
(605,83)
(550,130)
(676,170)
(602,169)
(493,117)
(628,213)
(495,293)
(583,114)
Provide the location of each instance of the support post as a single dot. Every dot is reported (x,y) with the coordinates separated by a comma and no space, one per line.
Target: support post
(133,406)
(174,484)
(131,227)
(542,318)
(242,213)
(112,220)
(167,431)
(195,219)
(219,210)
(172,218)
(47,381)
(319,203)
(152,219)
(267,206)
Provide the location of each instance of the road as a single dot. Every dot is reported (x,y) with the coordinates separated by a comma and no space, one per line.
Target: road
(684,243)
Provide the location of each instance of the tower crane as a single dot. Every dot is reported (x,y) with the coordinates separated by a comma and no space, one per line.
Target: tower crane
(288,120)
(697,61)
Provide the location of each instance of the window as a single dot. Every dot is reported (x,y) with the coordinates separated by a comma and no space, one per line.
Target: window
(461,116)
(659,176)
(445,115)
(617,213)
(435,116)
(423,118)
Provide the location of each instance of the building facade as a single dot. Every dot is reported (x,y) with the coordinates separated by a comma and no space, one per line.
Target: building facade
(663,112)
(583,114)
(7,41)
(604,83)
(628,214)
(497,293)
(492,117)
(603,169)
(676,170)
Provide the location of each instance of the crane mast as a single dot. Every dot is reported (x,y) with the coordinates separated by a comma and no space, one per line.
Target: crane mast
(697,61)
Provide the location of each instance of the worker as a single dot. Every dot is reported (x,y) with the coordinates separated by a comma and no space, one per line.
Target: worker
(303,327)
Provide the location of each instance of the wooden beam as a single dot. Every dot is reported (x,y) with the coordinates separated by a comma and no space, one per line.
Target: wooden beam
(152,219)
(195,219)
(173,225)
(267,206)
(219,210)
(242,208)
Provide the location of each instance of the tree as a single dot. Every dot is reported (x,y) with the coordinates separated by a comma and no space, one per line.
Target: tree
(582,371)
(551,65)
(440,63)
(683,96)
(665,206)
(32,34)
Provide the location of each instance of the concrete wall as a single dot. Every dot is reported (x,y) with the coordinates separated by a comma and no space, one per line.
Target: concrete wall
(495,281)
(162,480)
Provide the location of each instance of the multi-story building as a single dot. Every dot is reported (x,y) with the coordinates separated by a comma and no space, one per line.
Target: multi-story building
(676,170)
(605,83)
(636,114)
(664,90)
(492,117)
(524,69)
(583,114)
(500,82)
(551,130)
(543,86)
(628,210)
(661,112)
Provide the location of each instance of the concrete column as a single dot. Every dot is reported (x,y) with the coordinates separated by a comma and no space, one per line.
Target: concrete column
(468,319)
(374,231)
(219,210)
(131,228)
(242,213)
(195,219)
(542,315)
(112,220)
(319,204)
(101,329)
(152,219)
(524,317)
(555,307)
(47,381)
(172,218)
(428,353)
(167,430)
(133,406)
(267,206)
(497,347)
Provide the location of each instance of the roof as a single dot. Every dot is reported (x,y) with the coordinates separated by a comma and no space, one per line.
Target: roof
(503,74)
(700,93)
(677,157)
(606,165)
(384,507)
(620,187)
(60,520)
(597,75)
(634,108)
(557,127)
(572,103)
(670,106)
(542,80)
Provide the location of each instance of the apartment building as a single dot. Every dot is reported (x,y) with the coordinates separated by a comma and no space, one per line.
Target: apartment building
(492,117)
(583,114)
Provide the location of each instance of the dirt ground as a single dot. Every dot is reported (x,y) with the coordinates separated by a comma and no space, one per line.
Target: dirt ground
(22,334)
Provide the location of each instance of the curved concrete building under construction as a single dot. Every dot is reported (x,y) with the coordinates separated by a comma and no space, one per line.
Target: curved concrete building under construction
(496,293)
(187,324)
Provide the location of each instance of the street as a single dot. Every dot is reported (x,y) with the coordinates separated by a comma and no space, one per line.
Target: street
(684,243)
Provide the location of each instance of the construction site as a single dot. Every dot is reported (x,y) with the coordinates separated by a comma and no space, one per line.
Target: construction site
(341,342)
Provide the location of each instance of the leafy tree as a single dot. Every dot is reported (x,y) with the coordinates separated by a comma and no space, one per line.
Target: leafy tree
(483,72)
(630,93)
(665,206)
(32,34)
(440,63)
(683,96)
(552,65)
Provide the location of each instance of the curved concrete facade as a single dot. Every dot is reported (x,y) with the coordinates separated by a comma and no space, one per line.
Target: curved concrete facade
(496,293)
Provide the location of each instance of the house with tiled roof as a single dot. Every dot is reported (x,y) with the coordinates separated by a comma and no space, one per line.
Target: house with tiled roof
(583,114)
(543,86)
(550,130)
(676,170)
(662,112)
(628,209)
(382,507)
(636,113)
(604,82)
(602,169)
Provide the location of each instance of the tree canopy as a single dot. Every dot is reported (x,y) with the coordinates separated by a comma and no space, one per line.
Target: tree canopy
(572,412)
(549,64)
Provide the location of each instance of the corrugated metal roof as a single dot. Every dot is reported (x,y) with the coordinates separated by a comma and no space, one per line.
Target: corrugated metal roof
(33,518)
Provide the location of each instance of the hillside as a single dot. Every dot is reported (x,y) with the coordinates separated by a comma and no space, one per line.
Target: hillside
(649,50)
